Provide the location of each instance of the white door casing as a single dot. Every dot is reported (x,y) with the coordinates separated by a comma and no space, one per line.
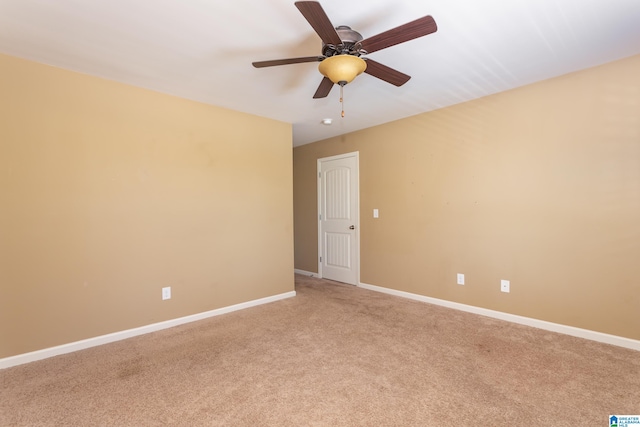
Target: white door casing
(338,227)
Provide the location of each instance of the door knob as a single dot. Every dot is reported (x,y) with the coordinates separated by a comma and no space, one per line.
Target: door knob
(353,227)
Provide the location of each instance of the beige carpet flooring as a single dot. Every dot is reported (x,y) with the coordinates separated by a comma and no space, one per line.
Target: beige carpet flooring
(335,355)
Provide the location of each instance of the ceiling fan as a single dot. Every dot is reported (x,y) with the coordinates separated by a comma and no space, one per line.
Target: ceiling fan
(342,49)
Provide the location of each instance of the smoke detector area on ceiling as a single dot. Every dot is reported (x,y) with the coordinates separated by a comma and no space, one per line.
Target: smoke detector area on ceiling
(327,122)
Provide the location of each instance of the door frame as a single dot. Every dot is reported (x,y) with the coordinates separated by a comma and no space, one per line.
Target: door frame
(355,154)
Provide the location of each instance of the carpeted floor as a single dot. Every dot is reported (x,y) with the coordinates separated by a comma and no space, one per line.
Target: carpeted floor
(335,355)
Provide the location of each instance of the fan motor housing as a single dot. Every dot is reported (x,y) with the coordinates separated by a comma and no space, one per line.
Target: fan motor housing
(350,43)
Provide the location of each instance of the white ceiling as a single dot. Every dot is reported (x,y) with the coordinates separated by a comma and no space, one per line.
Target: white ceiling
(203,49)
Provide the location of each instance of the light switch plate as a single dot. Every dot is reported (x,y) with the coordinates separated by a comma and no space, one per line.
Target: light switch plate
(375,213)
(166,293)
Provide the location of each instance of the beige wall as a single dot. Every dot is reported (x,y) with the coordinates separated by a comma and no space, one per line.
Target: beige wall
(539,185)
(109,193)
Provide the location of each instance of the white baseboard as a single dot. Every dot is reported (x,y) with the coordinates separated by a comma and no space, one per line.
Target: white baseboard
(20,359)
(540,324)
(306,273)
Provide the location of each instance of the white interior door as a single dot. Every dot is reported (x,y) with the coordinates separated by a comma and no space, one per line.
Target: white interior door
(338,218)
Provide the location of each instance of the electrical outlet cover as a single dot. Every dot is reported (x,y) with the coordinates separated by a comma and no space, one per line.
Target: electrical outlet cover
(504,285)
(460,279)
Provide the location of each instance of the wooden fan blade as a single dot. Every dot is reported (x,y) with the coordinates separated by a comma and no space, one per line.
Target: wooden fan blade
(323,90)
(409,31)
(316,16)
(385,73)
(262,64)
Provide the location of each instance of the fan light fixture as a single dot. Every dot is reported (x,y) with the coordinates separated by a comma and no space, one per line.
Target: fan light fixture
(342,69)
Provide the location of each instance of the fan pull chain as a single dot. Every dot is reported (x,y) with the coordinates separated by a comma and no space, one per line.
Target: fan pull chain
(342,99)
